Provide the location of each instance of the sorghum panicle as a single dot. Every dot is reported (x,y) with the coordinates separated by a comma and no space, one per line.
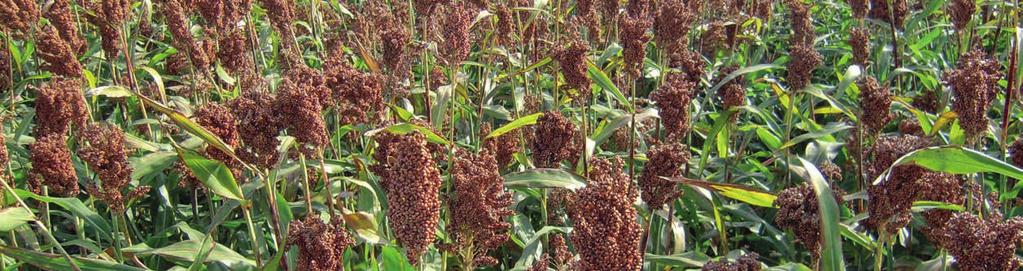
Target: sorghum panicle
(51,166)
(480,206)
(974,84)
(859,8)
(803,60)
(891,199)
(674,99)
(1016,152)
(746,262)
(572,62)
(634,38)
(732,93)
(19,15)
(358,95)
(60,104)
(258,127)
(927,101)
(321,246)
(665,160)
(299,103)
(554,140)
(798,211)
(503,146)
(62,18)
(875,101)
(881,10)
(106,155)
(606,234)
(859,40)
(218,120)
(802,23)
(984,244)
(58,55)
(672,24)
(412,181)
(456,44)
(961,12)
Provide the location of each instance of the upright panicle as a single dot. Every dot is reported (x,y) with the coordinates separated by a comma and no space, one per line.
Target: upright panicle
(412,181)
(605,232)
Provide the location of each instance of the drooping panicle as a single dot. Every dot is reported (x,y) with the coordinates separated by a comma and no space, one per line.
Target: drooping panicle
(412,181)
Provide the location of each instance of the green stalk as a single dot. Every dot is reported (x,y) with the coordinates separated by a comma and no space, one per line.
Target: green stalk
(305,182)
(252,233)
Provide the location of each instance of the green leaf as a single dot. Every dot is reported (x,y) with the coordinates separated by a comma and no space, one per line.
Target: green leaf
(13,217)
(517,123)
(544,178)
(49,261)
(600,78)
(924,205)
(393,260)
(683,260)
(185,251)
(831,249)
(742,193)
(772,141)
(737,73)
(77,208)
(405,128)
(956,160)
(213,174)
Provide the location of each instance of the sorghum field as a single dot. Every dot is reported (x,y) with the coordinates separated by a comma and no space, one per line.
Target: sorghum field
(511,135)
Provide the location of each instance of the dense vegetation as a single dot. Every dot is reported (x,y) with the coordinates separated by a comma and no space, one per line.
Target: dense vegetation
(510,134)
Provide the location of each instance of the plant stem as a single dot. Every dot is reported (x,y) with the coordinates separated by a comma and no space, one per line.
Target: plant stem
(252,232)
(305,184)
